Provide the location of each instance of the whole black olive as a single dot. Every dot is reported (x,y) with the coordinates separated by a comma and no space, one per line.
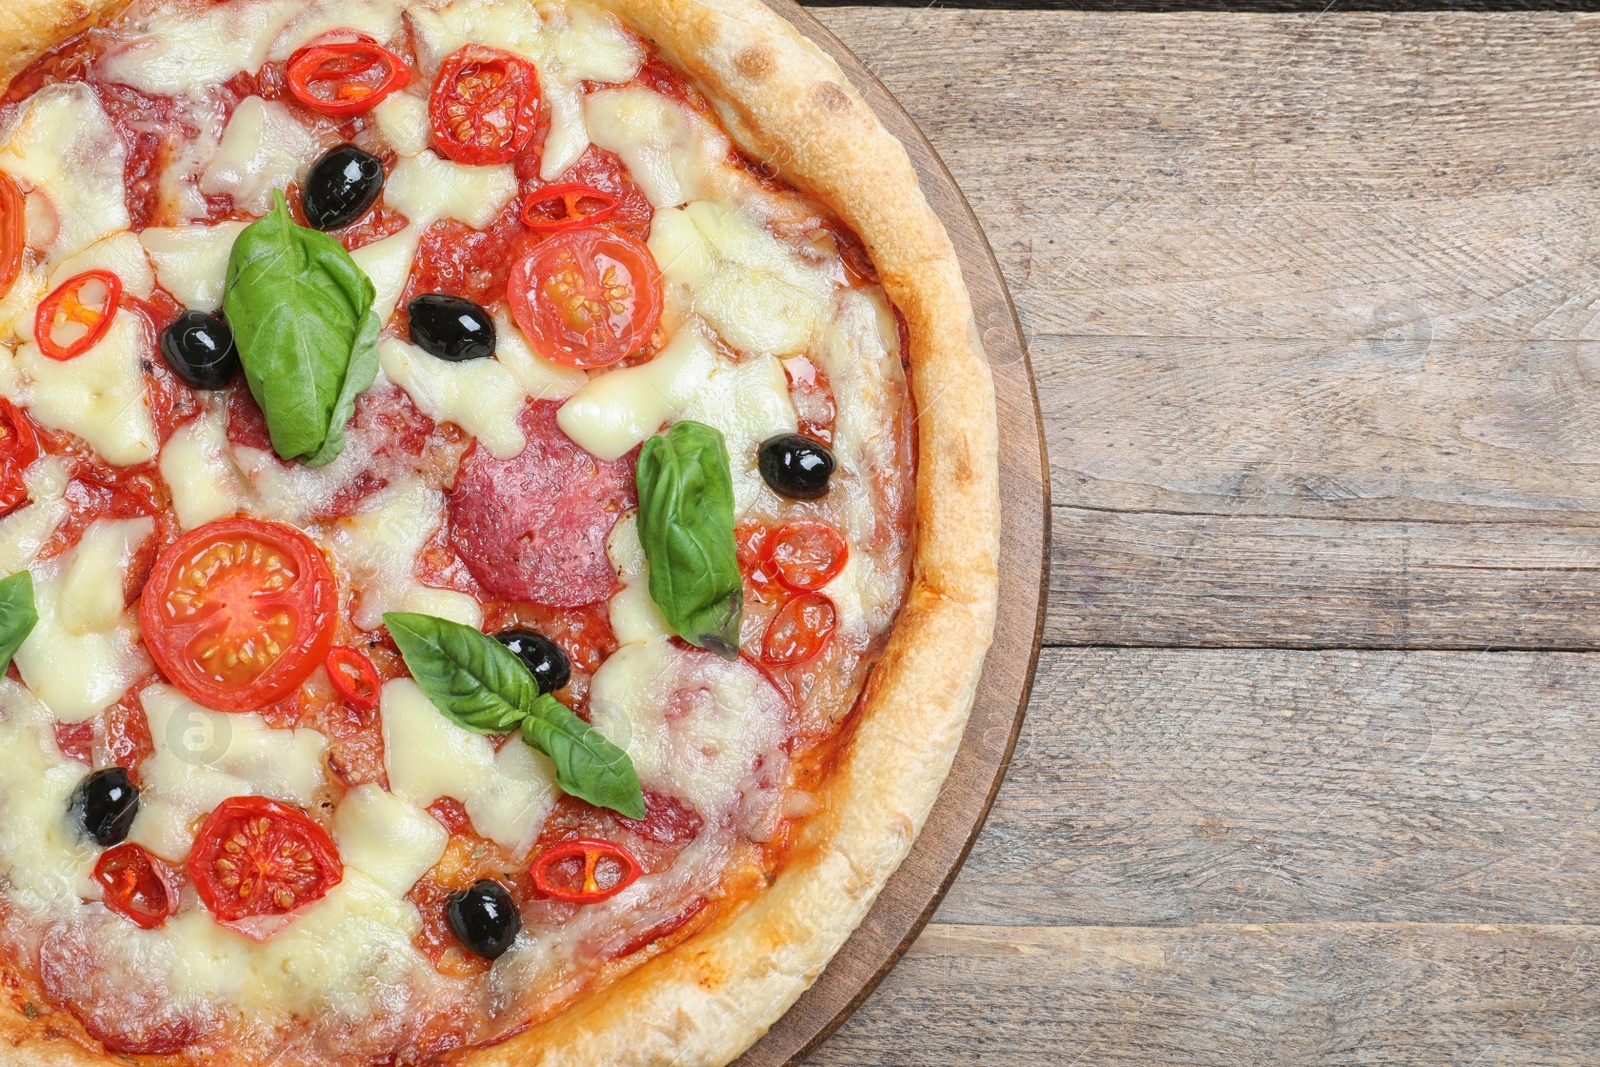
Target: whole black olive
(550,666)
(484,917)
(199,348)
(104,804)
(450,327)
(342,185)
(796,467)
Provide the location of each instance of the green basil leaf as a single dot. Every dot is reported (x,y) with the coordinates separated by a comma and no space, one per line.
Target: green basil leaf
(587,765)
(301,314)
(686,529)
(17,615)
(475,681)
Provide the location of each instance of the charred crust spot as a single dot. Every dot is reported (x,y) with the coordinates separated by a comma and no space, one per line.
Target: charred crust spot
(829,97)
(755,62)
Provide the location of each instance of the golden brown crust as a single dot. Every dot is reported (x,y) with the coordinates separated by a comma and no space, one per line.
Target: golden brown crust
(708,1000)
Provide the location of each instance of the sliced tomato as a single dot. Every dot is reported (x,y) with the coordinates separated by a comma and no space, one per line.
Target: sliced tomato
(484,105)
(77,314)
(238,612)
(799,630)
(586,297)
(136,885)
(805,555)
(13,232)
(566,207)
(345,78)
(353,676)
(255,856)
(19,447)
(585,870)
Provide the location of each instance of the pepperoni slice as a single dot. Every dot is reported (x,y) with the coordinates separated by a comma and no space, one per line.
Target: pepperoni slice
(534,528)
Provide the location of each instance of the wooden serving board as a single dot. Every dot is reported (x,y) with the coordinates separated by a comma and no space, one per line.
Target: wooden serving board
(911,896)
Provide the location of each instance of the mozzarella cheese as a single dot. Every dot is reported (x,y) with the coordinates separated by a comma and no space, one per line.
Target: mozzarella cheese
(99,395)
(203,757)
(390,841)
(199,471)
(76,668)
(192,261)
(263,149)
(672,153)
(20,303)
(379,544)
(507,795)
(388,264)
(731,271)
(478,395)
(64,150)
(45,861)
(190,48)
(443,604)
(633,613)
(426,188)
(122,254)
(378,19)
(695,725)
(403,123)
(24,531)
(542,379)
(93,587)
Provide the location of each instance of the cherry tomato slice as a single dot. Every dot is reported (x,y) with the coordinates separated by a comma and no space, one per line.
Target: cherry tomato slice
(19,447)
(585,870)
(136,886)
(586,297)
(77,314)
(255,856)
(13,232)
(568,201)
(346,78)
(805,555)
(799,630)
(483,105)
(354,677)
(238,612)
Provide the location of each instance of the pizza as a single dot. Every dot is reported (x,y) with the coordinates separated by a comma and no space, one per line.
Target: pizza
(498,527)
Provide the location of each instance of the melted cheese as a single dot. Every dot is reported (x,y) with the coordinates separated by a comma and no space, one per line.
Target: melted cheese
(443,604)
(634,615)
(728,269)
(122,254)
(45,861)
(263,149)
(192,261)
(76,668)
(388,840)
(672,153)
(20,303)
(24,531)
(65,152)
(190,48)
(426,188)
(92,593)
(478,395)
(748,401)
(695,725)
(541,378)
(403,123)
(99,395)
(388,264)
(199,470)
(379,545)
(378,19)
(203,757)
(428,757)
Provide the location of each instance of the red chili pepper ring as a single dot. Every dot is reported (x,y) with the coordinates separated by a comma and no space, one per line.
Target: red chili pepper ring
(353,676)
(65,309)
(585,870)
(568,199)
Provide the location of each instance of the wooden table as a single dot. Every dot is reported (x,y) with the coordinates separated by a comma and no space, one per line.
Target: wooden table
(1312,767)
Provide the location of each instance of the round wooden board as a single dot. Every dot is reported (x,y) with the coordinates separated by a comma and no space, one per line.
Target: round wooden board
(912,895)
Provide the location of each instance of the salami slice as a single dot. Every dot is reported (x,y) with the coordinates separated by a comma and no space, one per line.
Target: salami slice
(533,528)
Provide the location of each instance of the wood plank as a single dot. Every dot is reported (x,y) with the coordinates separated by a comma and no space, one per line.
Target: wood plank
(1155,787)
(1266,175)
(1158,579)
(1224,996)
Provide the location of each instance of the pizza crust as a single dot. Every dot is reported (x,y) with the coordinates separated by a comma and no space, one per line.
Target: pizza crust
(783,101)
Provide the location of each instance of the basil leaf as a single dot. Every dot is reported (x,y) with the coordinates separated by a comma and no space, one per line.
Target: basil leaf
(475,681)
(17,616)
(686,529)
(587,765)
(301,314)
